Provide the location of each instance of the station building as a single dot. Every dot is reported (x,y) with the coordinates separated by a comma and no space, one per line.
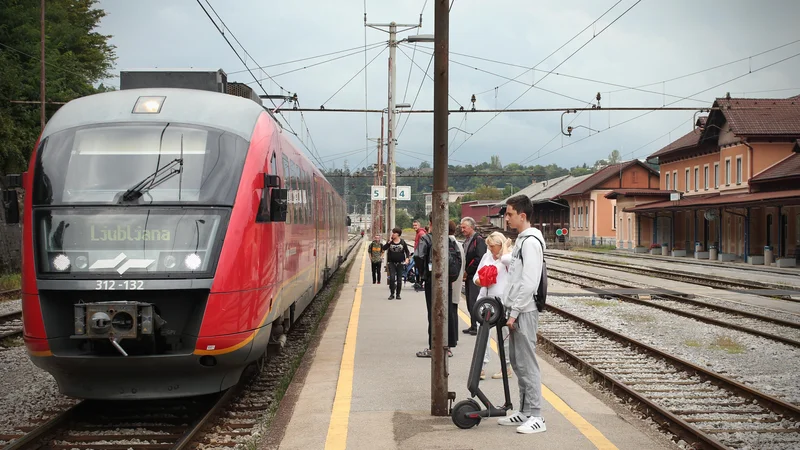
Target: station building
(735,186)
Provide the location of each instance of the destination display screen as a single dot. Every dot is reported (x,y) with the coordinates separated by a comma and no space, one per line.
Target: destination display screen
(134,242)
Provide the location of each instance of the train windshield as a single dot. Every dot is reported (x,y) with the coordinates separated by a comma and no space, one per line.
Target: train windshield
(160,163)
(88,242)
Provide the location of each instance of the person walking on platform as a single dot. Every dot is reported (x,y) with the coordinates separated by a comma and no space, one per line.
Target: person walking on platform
(452,300)
(375,252)
(420,231)
(474,249)
(525,274)
(492,277)
(396,258)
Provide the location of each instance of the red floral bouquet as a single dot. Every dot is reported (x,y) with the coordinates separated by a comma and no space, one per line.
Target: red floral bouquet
(487,276)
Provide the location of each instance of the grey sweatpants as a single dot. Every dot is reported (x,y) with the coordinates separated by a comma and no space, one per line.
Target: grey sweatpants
(523,361)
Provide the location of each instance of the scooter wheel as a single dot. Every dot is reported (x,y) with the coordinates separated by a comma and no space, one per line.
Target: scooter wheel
(488,310)
(461,413)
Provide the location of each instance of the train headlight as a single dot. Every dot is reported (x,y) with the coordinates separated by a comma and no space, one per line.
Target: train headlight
(192,261)
(148,105)
(170,261)
(81,262)
(61,262)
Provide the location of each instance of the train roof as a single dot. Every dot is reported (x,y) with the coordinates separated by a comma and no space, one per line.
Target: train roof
(229,113)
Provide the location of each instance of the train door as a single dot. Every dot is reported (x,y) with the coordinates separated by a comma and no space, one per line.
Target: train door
(317,225)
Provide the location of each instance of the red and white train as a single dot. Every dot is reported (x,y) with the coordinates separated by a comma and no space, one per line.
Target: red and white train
(169,236)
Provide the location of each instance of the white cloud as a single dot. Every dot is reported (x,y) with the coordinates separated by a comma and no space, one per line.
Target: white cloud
(656,40)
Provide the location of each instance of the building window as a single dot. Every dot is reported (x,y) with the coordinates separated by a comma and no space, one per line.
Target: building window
(675,180)
(686,182)
(574,222)
(738,170)
(705,176)
(667,186)
(728,172)
(696,179)
(614,220)
(716,175)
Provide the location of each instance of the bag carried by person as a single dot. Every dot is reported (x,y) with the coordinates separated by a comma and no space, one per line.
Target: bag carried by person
(541,293)
(453,259)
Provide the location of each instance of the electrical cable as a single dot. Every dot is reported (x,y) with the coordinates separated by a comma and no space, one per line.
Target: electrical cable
(354,76)
(360,48)
(552,70)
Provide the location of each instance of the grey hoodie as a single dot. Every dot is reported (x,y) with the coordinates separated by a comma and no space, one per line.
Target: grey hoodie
(524,276)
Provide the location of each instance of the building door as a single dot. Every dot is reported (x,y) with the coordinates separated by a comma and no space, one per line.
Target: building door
(739,235)
(769,230)
(630,232)
(784,234)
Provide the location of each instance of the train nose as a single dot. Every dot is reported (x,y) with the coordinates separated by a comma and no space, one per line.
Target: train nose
(101,322)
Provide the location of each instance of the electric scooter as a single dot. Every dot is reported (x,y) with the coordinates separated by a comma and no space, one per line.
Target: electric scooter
(489,313)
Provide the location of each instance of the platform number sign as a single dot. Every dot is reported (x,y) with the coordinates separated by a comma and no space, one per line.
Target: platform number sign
(403,192)
(378,193)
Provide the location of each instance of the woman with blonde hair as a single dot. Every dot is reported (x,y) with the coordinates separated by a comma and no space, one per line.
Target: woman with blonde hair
(498,246)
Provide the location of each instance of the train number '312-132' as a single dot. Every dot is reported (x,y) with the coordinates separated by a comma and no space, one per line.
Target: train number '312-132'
(124,285)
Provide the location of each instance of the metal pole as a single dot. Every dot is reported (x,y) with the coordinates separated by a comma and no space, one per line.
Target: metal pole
(41,81)
(440,200)
(384,206)
(390,125)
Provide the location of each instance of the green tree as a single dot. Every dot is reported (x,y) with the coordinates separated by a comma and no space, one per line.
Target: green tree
(76,57)
(487,193)
(614,157)
(402,219)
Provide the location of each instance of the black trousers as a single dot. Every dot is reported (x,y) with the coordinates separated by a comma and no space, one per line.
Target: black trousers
(472,298)
(452,315)
(376,272)
(395,277)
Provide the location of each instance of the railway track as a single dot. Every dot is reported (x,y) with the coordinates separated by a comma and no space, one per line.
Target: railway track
(219,420)
(773,328)
(762,289)
(10,294)
(698,406)
(139,425)
(10,324)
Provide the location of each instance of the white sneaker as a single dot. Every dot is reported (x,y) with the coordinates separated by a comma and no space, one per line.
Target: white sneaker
(515,419)
(532,425)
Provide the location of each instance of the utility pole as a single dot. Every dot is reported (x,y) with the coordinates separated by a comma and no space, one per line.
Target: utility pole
(440,200)
(41,81)
(391,179)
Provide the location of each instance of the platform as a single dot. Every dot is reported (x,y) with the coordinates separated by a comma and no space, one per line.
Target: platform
(363,387)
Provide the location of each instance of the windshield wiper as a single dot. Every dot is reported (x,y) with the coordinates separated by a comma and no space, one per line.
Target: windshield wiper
(156,178)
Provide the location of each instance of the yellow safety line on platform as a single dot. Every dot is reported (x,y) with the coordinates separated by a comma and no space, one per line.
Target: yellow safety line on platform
(340,415)
(587,429)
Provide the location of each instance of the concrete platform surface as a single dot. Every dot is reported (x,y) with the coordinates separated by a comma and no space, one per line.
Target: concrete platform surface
(366,389)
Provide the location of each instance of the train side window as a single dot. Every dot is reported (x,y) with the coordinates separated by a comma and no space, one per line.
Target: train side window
(287,186)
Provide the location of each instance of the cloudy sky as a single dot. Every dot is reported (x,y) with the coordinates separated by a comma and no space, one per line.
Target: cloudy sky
(653,47)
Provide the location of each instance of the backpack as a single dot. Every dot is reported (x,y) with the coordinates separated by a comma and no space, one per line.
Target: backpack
(541,294)
(421,255)
(453,259)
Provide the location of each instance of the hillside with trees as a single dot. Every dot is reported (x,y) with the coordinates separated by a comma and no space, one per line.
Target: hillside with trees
(487,181)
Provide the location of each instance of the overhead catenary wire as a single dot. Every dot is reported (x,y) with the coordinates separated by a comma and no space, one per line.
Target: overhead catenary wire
(312,153)
(545,76)
(319,63)
(749,72)
(426,73)
(556,50)
(354,76)
(360,48)
(421,83)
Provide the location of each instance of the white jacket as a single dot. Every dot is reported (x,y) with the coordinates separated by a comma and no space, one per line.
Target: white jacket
(525,275)
(459,281)
(499,287)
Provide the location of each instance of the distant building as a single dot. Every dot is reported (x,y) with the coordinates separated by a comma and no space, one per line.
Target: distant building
(454,196)
(480,210)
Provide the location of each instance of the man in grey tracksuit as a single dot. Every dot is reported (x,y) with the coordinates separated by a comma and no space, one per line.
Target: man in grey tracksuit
(525,272)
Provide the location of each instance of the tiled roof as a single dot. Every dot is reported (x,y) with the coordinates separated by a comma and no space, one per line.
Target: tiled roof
(788,168)
(654,192)
(690,139)
(713,200)
(762,116)
(554,190)
(601,176)
(537,187)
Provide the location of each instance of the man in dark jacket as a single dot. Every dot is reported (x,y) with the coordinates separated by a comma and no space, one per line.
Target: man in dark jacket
(474,249)
(397,255)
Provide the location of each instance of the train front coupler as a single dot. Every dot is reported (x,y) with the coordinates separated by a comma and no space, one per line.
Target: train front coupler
(116,321)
